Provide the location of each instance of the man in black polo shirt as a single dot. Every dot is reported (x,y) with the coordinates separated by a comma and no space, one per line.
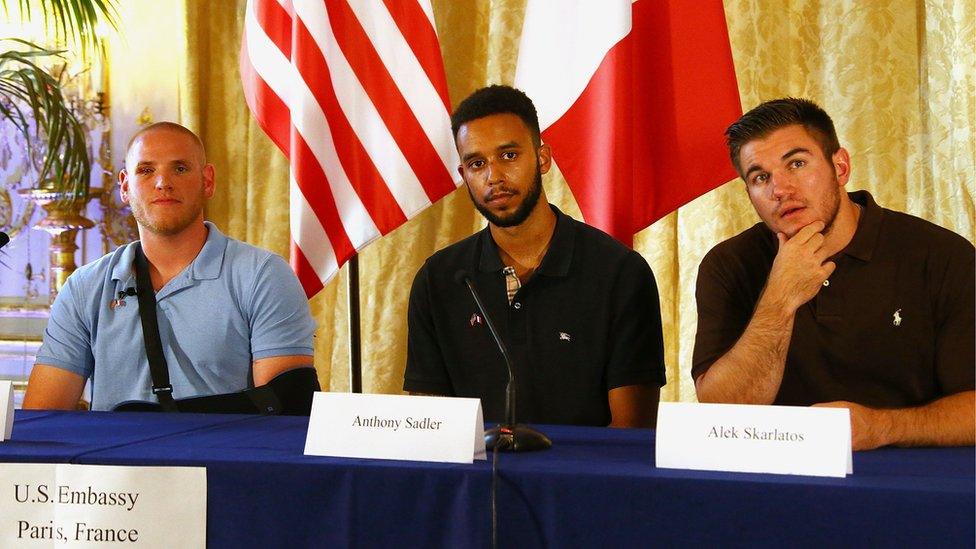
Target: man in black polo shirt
(578,311)
(833,300)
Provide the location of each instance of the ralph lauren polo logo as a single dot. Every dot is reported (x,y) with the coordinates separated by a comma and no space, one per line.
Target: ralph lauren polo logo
(896,318)
(563,336)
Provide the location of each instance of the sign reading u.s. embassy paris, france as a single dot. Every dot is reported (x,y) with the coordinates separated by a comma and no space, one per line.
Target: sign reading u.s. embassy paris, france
(62,505)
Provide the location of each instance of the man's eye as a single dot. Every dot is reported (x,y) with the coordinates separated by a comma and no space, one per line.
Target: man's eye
(797,163)
(182,169)
(760,178)
(510,155)
(476,164)
(144,170)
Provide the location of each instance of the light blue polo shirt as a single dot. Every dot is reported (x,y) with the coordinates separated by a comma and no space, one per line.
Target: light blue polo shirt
(232,305)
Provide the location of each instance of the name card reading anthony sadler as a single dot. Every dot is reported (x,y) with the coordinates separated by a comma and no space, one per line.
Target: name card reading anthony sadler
(60,505)
(417,428)
(754,439)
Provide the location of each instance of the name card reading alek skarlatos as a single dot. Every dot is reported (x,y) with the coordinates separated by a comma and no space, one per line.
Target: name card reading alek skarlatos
(417,428)
(62,505)
(6,410)
(790,440)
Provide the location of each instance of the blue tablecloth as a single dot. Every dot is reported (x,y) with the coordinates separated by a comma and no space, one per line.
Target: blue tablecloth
(594,488)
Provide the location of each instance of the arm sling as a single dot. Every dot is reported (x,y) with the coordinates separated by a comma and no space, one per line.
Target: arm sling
(289,393)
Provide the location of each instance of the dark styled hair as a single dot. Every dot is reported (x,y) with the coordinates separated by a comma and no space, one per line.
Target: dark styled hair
(779,113)
(497,99)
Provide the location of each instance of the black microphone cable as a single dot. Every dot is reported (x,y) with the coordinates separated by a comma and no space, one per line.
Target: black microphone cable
(495,454)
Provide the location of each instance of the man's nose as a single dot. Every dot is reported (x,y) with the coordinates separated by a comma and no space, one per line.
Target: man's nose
(162,182)
(493,173)
(782,185)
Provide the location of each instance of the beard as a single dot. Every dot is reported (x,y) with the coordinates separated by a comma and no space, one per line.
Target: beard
(523,210)
(166,225)
(830,204)
(831,209)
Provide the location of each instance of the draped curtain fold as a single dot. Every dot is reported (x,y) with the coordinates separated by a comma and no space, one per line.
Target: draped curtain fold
(897,77)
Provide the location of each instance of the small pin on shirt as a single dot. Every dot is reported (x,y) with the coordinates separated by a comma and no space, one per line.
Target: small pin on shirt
(119,301)
(896,318)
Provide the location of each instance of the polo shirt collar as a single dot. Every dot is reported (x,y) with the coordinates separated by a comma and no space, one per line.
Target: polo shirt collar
(865,239)
(558,257)
(205,266)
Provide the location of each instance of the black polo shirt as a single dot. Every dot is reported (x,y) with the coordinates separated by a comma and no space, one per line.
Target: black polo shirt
(586,322)
(893,328)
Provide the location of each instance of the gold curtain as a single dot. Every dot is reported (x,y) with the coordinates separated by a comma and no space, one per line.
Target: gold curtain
(897,77)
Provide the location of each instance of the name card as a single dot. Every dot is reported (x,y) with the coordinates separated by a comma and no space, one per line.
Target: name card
(789,440)
(6,410)
(61,505)
(417,428)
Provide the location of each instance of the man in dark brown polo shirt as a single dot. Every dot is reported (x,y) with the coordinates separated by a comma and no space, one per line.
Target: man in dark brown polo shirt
(833,300)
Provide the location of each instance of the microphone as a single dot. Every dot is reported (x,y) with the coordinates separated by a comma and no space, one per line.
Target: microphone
(509,436)
(4,239)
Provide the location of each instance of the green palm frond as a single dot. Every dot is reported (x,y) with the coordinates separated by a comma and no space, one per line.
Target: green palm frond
(31,98)
(30,92)
(72,21)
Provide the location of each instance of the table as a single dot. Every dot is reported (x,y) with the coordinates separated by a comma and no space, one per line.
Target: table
(596,487)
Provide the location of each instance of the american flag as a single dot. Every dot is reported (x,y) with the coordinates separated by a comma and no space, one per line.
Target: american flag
(354,94)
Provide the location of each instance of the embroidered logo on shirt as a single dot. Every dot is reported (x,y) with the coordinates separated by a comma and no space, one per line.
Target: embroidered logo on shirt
(896,318)
(475,319)
(563,336)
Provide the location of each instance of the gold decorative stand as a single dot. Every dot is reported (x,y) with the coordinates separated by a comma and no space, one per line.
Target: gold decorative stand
(62,222)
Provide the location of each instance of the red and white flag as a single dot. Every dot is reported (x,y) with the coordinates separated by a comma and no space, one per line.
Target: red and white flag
(633,97)
(354,94)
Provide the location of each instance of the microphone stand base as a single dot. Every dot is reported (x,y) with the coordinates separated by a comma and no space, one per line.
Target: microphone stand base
(516,438)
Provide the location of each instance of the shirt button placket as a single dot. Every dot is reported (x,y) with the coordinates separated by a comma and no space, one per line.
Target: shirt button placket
(518,323)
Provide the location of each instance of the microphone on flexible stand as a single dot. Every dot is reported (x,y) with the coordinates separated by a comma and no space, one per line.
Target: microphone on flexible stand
(4,239)
(509,436)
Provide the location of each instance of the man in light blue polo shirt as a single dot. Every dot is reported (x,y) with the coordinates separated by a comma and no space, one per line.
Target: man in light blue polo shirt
(231,316)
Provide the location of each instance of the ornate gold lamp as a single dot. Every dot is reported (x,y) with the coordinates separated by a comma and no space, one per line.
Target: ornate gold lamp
(63,221)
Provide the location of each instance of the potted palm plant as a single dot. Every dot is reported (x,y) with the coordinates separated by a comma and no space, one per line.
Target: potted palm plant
(32,99)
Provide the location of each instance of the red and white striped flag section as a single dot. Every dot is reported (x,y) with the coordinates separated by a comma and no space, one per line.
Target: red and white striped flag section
(354,94)
(634,98)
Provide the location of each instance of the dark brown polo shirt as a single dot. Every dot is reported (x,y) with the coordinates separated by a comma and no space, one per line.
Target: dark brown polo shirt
(894,327)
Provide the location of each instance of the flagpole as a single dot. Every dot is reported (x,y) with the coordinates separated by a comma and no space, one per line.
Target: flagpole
(355,349)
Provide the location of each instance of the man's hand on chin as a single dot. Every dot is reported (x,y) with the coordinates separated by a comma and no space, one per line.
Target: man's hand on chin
(870,428)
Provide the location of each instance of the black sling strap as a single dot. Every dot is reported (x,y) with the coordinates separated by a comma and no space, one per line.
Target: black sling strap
(150,333)
(289,393)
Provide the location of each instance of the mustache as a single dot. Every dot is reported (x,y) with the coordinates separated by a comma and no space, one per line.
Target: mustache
(499,190)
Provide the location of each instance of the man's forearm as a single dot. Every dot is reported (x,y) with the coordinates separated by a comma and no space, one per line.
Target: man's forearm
(948,421)
(752,370)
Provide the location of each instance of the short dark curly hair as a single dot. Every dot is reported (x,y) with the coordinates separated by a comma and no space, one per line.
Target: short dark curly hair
(779,113)
(497,99)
